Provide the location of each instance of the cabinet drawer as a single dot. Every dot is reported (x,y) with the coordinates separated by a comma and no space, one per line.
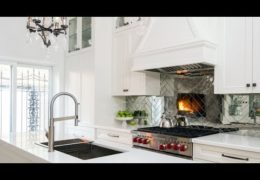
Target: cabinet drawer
(114,136)
(224,155)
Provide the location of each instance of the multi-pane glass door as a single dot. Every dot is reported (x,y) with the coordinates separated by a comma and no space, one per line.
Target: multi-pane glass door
(24,98)
(32,95)
(5,98)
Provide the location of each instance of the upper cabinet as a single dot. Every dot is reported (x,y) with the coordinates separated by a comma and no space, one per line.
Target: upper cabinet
(237,69)
(256,55)
(124,23)
(79,33)
(124,81)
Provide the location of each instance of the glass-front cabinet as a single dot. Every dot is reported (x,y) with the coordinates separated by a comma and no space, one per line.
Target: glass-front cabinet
(80,33)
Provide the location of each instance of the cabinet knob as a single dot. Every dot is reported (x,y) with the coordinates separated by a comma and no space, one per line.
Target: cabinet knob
(254,84)
(125,90)
(247,85)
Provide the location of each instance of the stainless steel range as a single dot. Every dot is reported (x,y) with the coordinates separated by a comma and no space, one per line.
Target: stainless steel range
(174,140)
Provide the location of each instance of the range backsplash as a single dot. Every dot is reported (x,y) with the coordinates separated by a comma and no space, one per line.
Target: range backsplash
(221,109)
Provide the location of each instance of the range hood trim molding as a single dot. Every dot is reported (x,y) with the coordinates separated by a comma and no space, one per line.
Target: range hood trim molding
(189,44)
(199,51)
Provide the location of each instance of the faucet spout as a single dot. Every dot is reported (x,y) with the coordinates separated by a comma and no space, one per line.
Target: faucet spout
(52,119)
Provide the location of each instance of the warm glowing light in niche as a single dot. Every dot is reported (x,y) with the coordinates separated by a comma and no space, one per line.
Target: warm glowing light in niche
(184,105)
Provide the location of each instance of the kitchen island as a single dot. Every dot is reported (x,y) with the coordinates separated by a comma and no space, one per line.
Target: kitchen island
(23,148)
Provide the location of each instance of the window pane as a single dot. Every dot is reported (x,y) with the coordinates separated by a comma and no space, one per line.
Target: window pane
(5,98)
(32,99)
(86,32)
(72,34)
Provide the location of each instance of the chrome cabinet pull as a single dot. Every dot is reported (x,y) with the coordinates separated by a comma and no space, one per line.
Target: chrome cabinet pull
(232,157)
(113,135)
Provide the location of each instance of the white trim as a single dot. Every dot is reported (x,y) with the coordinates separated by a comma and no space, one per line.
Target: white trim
(193,28)
(13,97)
(148,27)
(176,47)
(79,38)
(73,53)
(14,63)
(11,60)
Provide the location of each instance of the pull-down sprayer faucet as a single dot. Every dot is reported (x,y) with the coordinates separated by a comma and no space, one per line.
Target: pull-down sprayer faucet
(52,119)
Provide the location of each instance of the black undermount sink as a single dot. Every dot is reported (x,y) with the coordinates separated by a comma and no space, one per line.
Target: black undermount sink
(81,149)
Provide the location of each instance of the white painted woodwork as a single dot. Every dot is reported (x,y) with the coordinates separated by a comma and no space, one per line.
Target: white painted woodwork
(125,82)
(214,154)
(237,61)
(239,64)
(114,136)
(256,54)
(79,80)
(174,41)
(79,37)
(105,105)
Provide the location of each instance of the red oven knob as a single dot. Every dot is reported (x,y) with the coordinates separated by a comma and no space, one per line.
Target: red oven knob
(135,139)
(140,140)
(162,147)
(146,141)
(183,147)
(176,146)
(168,146)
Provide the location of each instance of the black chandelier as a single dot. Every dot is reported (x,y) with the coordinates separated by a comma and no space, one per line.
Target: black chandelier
(46,26)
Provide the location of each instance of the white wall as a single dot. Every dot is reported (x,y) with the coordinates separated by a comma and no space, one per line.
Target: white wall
(14,48)
(80,81)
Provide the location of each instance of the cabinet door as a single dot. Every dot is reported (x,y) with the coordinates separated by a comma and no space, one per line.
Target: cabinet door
(236,66)
(136,80)
(119,67)
(86,32)
(73,34)
(256,55)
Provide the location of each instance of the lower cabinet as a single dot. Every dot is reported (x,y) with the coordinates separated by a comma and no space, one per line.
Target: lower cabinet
(114,136)
(218,154)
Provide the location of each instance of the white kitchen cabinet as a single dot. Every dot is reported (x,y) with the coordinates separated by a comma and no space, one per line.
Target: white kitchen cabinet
(237,70)
(79,33)
(236,63)
(114,136)
(124,81)
(218,154)
(256,55)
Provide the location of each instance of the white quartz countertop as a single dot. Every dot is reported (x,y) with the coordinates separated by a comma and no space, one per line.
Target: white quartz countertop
(25,143)
(229,140)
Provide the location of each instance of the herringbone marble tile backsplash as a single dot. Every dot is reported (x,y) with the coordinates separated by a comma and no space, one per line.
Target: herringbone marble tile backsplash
(221,109)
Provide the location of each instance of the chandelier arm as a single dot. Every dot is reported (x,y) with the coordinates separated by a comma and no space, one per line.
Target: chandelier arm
(44,39)
(56,29)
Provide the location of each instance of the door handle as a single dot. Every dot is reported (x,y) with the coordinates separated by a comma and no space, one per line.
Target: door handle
(113,135)
(233,157)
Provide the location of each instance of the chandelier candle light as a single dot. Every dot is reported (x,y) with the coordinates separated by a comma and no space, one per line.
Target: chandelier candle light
(45,26)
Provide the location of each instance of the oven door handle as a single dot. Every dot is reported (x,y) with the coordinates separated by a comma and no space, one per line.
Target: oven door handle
(237,158)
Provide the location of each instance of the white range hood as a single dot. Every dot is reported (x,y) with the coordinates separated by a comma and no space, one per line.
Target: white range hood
(176,41)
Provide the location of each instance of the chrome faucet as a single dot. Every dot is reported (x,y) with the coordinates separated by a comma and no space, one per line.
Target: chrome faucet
(52,119)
